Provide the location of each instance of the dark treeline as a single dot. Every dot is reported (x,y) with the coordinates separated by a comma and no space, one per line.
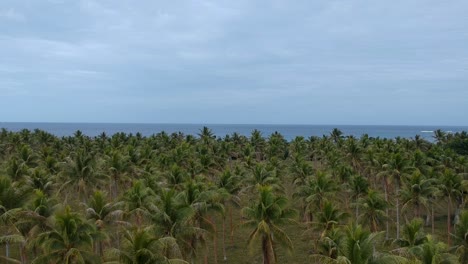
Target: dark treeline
(174,198)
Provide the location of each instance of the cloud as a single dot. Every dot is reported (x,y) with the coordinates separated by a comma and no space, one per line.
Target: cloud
(206,55)
(12,15)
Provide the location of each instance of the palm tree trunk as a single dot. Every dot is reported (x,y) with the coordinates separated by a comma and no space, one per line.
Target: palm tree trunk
(397,212)
(24,256)
(432,218)
(224,238)
(357,210)
(387,226)
(232,231)
(7,250)
(265,251)
(215,241)
(449,226)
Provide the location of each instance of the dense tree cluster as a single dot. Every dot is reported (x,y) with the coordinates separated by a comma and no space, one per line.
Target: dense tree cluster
(174,198)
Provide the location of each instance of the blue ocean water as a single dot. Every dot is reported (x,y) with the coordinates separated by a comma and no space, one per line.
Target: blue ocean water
(221,130)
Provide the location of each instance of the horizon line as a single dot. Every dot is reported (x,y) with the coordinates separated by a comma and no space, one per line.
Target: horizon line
(229,124)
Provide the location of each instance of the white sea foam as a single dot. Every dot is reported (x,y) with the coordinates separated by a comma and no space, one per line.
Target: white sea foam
(427,131)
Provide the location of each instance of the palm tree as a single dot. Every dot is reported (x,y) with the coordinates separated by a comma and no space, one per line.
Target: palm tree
(171,216)
(336,135)
(461,237)
(262,176)
(359,247)
(412,235)
(328,246)
(431,252)
(359,187)
(301,169)
(440,136)
(318,188)
(416,193)
(373,209)
(34,220)
(70,240)
(104,214)
(118,168)
(13,198)
(258,143)
(140,247)
(451,187)
(228,186)
(396,168)
(266,216)
(202,201)
(329,217)
(80,172)
(138,202)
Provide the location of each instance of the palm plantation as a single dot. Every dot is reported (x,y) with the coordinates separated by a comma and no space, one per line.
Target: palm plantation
(175,198)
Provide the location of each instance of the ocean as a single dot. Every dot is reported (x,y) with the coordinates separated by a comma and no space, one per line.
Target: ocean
(220,130)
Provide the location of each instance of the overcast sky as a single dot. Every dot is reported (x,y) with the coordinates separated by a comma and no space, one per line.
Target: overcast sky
(243,61)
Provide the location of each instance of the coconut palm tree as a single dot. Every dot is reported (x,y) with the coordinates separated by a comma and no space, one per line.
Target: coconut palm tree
(138,202)
(118,170)
(261,176)
(34,220)
(461,237)
(266,216)
(359,187)
(13,198)
(140,247)
(80,174)
(69,241)
(105,215)
(416,193)
(318,188)
(373,209)
(358,246)
(329,217)
(451,188)
(396,168)
(412,236)
(229,187)
(431,252)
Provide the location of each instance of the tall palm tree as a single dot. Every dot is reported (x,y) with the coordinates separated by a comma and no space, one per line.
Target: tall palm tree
(229,187)
(359,187)
(105,215)
(412,235)
(317,190)
(70,241)
(202,201)
(266,216)
(461,237)
(440,136)
(34,220)
(118,169)
(432,252)
(261,176)
(80,173)
(359,247)
(140,247)
(329,217)
(139,200)
(373,209)
(416,193)
(396,168)
(13,198)
(451,187)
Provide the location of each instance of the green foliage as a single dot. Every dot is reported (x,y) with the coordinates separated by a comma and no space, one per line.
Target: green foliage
(175,198)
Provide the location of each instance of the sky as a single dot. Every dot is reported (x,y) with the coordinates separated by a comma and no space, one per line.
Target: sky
(357,62)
